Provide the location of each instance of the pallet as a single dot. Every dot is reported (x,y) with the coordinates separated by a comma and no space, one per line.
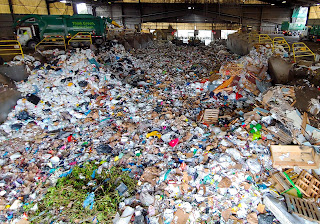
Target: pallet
(282,137)
(303,208)
(283,182)
(289,156)
(309,185)
(231,70)
(209,116)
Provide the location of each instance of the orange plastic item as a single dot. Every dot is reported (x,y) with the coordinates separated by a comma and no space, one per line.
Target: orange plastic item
(225,84)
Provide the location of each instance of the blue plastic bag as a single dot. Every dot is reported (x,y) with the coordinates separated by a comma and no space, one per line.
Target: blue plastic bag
(89,201)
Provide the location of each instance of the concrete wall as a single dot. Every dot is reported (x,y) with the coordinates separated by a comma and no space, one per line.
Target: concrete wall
(239,44)
(6,26)
(113,11)
(265,18)
(6,22)
(128,16)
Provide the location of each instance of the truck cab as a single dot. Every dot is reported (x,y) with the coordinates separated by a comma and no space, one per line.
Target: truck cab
(304,33)
(27,36)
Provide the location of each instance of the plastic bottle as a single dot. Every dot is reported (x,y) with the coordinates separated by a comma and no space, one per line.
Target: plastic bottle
(138,219)
(126,216)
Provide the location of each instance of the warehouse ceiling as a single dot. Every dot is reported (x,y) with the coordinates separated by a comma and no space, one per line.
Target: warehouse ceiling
(292,2)
(285,3)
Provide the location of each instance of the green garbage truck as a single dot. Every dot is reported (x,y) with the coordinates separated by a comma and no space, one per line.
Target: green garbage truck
(31,29)
(311,33)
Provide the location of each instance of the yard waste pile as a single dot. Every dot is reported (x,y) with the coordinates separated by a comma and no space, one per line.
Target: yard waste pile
(175,135)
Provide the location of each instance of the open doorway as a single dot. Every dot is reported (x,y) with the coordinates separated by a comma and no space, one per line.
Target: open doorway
(225,33)
(82,8)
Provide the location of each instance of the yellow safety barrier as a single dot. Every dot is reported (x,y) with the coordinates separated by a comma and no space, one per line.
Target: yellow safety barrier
(265,39)
(52,41)
(253,37)
(280,41)
(10,47)
(300,49)
(81,37)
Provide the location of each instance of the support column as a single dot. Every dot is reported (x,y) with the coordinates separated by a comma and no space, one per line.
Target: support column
(122,16)
(261,18)
(11,10)
(308,15)
(140,14)
(94,12)
(74,7)
(111,11)
(241,17)
(212,37)
(48,7)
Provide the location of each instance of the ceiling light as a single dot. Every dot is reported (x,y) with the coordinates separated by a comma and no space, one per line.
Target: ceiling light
(189,7)
(272,4)
(284,2)
(63,1)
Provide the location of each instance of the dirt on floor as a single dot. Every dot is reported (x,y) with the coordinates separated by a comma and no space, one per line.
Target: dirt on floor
(315,47)
(304,93)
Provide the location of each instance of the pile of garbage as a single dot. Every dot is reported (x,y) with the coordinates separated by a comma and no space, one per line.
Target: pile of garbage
(192,125)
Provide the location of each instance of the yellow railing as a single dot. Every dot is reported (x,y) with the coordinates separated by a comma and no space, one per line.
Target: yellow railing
(52,41)
(81,37)
(10,47)
(300,49)
(265,39)
(253,37)
(260,38)
(280,41)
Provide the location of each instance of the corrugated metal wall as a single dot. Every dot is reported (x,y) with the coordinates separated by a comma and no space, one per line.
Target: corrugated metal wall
(265,18)
(114,11)
(128,16)
(6,26)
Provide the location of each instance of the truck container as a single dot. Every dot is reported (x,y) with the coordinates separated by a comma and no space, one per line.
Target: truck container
(31,29)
